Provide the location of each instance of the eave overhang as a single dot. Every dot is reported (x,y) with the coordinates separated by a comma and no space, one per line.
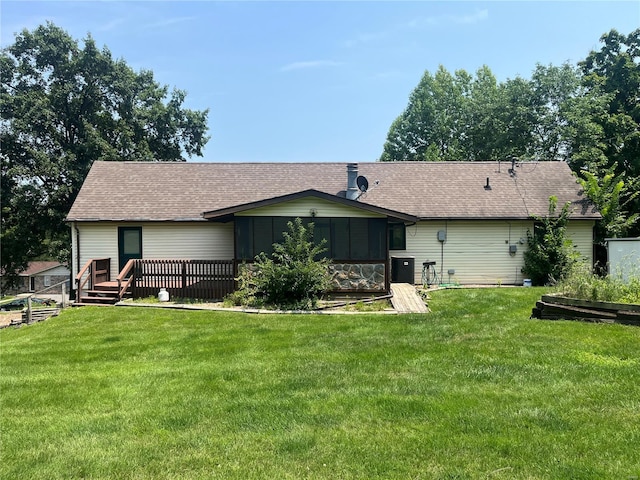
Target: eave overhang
(134,220)
(501,218)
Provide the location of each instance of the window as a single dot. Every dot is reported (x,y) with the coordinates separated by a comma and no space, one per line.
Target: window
(339,238)
(47,280)
(378,239)
(244,238)
(346,238)
(397,236)
(322,231)
(263,238)
(358,238)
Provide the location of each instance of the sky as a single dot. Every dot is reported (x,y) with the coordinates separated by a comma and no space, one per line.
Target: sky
(304,81)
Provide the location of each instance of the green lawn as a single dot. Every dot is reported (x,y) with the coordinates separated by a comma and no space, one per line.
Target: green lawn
(473,390)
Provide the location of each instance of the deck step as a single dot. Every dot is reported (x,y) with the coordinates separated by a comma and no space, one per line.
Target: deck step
(102,293)
(98,300)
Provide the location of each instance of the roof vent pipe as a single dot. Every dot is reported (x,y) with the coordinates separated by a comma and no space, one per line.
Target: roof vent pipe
(487,186)
(352,185)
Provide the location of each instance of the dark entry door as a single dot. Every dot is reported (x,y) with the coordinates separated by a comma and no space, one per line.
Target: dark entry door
(129,245)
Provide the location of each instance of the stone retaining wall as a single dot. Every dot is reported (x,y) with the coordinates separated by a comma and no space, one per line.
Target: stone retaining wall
(367,277)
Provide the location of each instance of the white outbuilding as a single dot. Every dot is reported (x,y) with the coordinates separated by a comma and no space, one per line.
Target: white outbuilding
(624,257)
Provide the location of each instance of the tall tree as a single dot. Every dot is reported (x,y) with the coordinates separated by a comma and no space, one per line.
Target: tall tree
(462,117)
(613,75)
(516,117)
(433,124)
(482,116)
(552,88)
(62,107)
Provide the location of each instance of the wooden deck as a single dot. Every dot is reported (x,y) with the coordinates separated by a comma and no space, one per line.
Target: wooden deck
(406,299)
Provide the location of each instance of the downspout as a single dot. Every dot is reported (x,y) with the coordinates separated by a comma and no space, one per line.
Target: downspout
(75,251)
(446,234)
(75,227)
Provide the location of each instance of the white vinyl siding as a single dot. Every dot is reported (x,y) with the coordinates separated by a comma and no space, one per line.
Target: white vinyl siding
(303,208)
(478,251)
(171,240)
(209,241)
(98,241)
(581,234)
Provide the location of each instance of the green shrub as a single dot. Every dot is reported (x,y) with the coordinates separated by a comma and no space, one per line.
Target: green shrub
(632,295)
(292,277)
(550,255)
(581,283)
(246,293)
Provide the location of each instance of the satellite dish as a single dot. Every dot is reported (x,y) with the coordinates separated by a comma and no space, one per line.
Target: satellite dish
(363,183)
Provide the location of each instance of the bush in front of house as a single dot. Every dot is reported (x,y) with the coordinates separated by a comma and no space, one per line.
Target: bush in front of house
(550,254)
(291,277)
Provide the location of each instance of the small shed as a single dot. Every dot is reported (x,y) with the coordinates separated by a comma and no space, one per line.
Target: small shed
(624,257)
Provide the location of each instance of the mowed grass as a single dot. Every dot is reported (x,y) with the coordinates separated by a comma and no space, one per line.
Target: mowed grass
(474,389)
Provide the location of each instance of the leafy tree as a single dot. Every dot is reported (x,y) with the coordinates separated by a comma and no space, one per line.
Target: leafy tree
(482,117)
(550,255)
(552,87)
(584,133)
(62,107)
(433,124)
(292,277)
(615,69)
(611,194)
(516,119)
(613,74)
(462,117)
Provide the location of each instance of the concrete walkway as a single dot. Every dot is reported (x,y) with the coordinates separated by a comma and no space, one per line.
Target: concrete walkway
(406,299)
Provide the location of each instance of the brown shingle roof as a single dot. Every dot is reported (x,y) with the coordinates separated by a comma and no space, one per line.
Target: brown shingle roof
(39,266)
(147,191)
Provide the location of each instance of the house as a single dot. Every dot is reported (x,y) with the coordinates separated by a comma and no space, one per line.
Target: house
(39,276)
(470,218)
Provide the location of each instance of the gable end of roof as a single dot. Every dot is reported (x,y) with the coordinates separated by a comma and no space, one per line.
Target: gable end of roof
(226,212)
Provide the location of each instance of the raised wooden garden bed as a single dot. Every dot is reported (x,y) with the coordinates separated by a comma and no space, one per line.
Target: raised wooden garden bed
(555,307)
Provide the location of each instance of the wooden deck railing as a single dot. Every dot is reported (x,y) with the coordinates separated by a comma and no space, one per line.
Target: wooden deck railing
(197,279)
(125,278)
(95,271)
